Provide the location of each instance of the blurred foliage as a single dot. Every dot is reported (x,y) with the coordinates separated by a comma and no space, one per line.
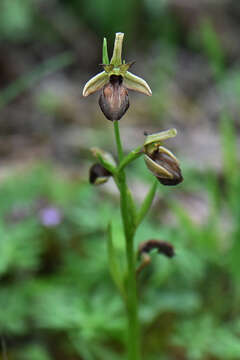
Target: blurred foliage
(56,292)
(16,19)
(57,300)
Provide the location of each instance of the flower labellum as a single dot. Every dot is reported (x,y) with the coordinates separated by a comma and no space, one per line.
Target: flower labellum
(98,174)
(114,100)
(160,161)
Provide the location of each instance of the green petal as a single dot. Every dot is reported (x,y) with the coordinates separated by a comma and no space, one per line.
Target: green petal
(95,83)
(136,83)
(105,58)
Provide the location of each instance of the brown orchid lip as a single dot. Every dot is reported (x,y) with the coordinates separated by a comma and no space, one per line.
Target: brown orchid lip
(113,99)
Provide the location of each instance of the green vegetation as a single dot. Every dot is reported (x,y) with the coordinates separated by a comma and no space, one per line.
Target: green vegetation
(56,290)
(57,297)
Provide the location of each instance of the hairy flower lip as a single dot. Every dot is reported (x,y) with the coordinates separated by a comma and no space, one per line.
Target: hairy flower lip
(113,100)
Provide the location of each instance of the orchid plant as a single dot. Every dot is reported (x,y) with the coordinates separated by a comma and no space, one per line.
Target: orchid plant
(114,82)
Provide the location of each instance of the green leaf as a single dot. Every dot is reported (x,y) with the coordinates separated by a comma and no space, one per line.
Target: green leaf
(212,47)
(105,58)
(113,262)
(147,203)
(229,147)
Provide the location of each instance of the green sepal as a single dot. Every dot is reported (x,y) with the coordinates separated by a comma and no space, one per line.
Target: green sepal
(105,159)
(116,59)
(134,82)
(114,266)
(157,169)
(95,83)
(147,202)
(157,138)
(105,58)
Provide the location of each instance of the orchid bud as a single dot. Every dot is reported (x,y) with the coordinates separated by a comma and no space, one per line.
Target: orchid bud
(98,174)
(114,100)
(160,161)
(162,247)
(105,159)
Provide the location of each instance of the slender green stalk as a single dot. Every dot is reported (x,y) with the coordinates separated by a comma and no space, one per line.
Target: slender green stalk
(133,155)
(133,340)
(118,141)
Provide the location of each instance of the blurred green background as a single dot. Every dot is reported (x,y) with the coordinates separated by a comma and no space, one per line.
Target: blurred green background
(57,300)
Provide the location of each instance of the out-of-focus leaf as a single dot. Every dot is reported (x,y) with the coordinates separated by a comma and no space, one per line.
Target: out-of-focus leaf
(113,262)
(146,203)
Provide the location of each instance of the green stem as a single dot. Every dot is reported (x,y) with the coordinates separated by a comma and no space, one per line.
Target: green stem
(133,340)
(118,141)
(133,155)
